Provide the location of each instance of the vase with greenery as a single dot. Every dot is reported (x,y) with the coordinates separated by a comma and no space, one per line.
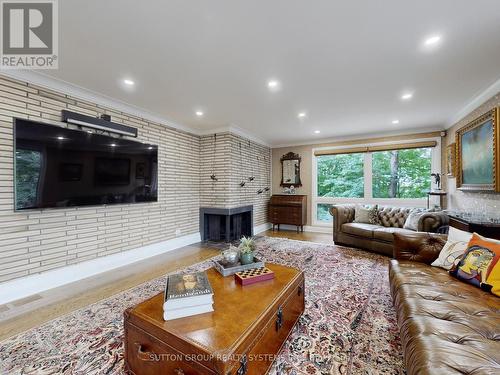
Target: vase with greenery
(247,248)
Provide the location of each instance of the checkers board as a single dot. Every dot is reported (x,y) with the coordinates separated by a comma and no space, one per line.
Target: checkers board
(254,275)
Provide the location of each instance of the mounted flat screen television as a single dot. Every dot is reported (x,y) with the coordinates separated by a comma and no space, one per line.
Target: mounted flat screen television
(60,167)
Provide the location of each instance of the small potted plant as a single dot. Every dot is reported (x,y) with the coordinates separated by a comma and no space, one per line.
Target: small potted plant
(247,248)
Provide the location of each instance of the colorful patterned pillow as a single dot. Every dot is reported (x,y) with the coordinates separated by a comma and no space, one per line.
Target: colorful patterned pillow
(452,251)
(479,264)
(366,215)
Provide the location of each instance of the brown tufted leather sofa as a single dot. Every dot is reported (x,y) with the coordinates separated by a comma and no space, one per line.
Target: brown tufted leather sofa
(447,327)
(378,238)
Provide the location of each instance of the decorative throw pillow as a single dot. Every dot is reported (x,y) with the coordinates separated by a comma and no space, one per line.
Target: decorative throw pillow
(367,215)
(478,265)
(453,249)
(413,218)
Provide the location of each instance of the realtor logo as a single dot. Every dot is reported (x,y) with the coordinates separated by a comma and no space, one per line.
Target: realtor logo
(29,34)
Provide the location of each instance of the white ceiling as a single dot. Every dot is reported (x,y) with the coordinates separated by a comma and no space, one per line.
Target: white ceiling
(345,62)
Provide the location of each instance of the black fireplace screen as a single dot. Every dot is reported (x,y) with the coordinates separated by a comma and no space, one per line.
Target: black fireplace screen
(221,224)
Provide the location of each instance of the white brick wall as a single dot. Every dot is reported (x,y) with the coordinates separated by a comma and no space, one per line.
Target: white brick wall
(230,168)
(36,241)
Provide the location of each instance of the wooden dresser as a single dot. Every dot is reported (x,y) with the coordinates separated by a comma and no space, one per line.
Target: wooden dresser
(288,209)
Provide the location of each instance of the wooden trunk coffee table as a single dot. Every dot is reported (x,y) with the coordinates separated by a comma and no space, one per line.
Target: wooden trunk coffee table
(242,336)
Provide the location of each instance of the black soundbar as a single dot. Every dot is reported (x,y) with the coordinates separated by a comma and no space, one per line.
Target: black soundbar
(97,123)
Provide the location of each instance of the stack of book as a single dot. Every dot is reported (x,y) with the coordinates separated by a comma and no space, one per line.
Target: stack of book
(186,295)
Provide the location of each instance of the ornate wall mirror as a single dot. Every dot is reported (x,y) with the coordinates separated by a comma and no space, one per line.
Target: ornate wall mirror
(290,170)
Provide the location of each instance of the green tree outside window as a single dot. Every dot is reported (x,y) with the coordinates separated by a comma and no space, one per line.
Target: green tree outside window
(401,173)
(341,176)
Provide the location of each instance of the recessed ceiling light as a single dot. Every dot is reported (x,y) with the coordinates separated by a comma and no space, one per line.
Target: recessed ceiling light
(407,96)
(199,113)
(317,132)
(60,138)
(432,40)
(395,122)
(128,82)
(113,144)
(302,115)
(273,85)
(150,147)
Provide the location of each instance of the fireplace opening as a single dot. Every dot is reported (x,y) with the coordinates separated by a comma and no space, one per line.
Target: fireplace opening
(226,224)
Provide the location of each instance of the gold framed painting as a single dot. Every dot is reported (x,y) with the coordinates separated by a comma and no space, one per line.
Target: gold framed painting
(451,160)
(478,155)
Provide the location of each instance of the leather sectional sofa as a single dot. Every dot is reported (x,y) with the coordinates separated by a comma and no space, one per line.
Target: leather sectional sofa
(447,327)
(379,238)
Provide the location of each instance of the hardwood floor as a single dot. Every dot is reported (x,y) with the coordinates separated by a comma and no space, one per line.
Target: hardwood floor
(305,236)
(21,315)
(35,310)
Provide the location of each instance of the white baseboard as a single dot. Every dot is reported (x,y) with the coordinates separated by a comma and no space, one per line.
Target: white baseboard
(307,228)
(33,284)
(261,228)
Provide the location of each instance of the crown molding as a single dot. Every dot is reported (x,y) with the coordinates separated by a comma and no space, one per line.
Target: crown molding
(235,130)
(318,142)
(75,91)
(474,103)
(67,88)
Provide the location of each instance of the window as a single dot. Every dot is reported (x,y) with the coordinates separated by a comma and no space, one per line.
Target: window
(323,213)
(401,173)
(341,176)
(396,174)
(28,168)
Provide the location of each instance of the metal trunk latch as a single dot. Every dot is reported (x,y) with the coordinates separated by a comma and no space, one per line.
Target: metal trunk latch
(243,366)
(279,318)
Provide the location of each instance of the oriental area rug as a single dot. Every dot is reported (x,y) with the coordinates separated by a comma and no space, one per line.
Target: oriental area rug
(348,327)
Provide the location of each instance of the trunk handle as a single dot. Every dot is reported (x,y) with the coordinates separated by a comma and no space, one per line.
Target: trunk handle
(143,355)
(149,356)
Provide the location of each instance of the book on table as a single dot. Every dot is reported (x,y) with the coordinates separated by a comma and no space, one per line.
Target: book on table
(186,295)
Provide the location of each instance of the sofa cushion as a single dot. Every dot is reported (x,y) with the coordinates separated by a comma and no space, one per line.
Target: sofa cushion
(413,218)
(359,229)
(387,234)
(447,327)
(453,249)
(365,214)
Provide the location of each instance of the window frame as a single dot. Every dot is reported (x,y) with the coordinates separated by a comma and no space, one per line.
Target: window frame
(368,176)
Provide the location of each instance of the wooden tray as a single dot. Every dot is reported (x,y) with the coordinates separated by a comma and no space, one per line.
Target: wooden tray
(228,270)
